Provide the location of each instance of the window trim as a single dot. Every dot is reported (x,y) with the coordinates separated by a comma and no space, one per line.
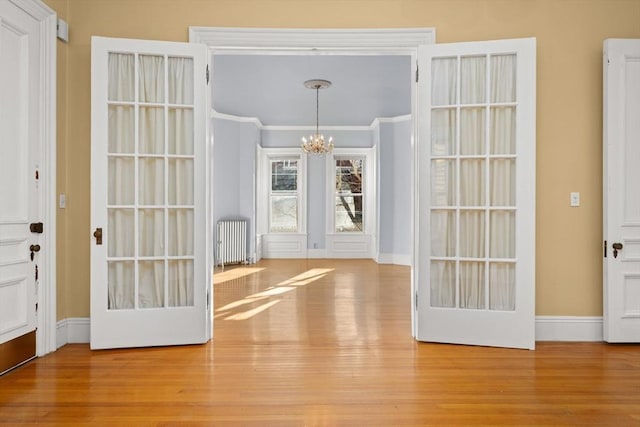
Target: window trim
(368,190)
(269,155)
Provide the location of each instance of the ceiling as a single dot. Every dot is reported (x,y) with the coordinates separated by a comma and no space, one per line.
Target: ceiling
(271,88)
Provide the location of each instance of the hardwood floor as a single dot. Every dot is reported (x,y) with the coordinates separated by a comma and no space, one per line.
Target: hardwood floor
(324,343)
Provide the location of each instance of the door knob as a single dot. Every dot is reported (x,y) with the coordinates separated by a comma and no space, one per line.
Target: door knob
(98,235)
(616,247)
(34,249)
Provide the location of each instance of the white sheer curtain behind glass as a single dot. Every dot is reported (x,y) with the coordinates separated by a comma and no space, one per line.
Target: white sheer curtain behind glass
(473,182)
(150,195)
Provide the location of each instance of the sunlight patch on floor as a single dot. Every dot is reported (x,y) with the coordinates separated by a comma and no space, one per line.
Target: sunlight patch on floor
(235,273)
(254,311)
(281,288)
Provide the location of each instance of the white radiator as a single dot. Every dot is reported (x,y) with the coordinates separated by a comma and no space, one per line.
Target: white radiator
(232,242)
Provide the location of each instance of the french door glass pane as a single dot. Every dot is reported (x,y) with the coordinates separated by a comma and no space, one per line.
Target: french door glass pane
(472,188)
(503,78)
(151,78)
(443,284)
(348,213)
(180,138)
(180,81)
(472,79)
(472,285)
(180,283)
(502,286)
(180,191)
(121,239)
(151,284)
(121,86)
(121,129)
(151,232)
(443,233)
(181,229)
(472,226)
(472,131)
(151,182)
(151,129)
(284,214)
(444,81)
(503,179)
(503,130)
(121,181)
(120,285)
(443,132)
(443,182)
(502,240)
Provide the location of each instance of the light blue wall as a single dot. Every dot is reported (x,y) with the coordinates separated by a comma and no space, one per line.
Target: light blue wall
(395,187)
(235,178)
(316,173)
(234,170)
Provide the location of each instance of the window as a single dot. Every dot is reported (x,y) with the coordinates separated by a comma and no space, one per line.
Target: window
(349,200)
(284,196)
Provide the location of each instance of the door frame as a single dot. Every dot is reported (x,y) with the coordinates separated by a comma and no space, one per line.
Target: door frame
(47,288)
(348,42)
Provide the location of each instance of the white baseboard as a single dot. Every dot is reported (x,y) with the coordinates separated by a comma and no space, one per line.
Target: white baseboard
(569,328)
(76,330)
(394,259)
(73,330)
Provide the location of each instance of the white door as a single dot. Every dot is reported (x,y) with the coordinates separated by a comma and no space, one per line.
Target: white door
(150,250)
(621,203)
(475,210)
(19,195)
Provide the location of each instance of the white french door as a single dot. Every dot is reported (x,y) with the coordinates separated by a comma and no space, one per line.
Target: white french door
(475,209)
(621,204)
(150,252)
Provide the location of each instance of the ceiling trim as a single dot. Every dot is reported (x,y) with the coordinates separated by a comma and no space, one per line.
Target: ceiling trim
(374,124)
(374,40)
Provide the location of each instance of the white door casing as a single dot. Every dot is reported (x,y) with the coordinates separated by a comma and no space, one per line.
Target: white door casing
(475,215)
(150,178)
(27,144)
(621,197)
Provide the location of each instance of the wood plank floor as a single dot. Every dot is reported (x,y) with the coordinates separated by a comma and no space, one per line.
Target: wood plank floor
(324,343)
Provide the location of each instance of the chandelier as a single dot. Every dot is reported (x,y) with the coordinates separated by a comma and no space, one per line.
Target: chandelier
(316,144)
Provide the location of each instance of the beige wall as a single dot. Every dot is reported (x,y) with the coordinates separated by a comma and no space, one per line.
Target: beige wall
(569,36)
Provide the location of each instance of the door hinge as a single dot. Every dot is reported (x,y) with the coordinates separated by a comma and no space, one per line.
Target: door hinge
(416,301)
(208,300)
(605,248)
(417,74)
(37,175)
(207,73)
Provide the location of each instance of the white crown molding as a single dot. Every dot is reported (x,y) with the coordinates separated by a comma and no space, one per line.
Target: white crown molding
(285,128)
(240,119)
(313,128)
(389,40)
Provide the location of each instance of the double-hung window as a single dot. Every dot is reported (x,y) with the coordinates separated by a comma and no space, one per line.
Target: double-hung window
(349,207)
(284,195)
